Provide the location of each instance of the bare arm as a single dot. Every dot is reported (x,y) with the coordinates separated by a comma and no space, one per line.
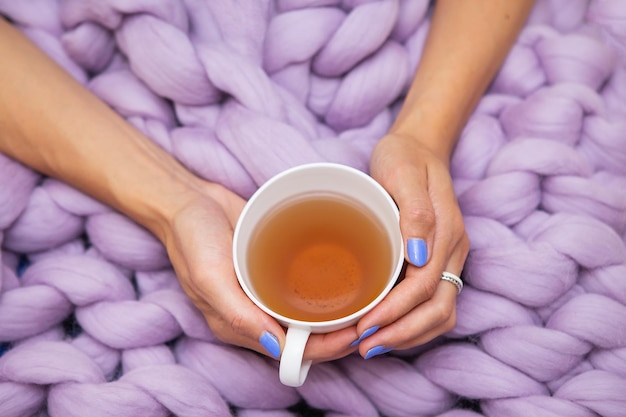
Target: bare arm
(53,124)
(466,45)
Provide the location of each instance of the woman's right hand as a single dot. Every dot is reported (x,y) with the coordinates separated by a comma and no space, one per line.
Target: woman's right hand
(198,239)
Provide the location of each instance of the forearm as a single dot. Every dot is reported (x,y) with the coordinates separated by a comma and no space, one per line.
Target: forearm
(466,45)
(51,123)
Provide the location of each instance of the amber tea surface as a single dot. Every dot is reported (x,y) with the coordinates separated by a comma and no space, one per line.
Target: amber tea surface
(319,258)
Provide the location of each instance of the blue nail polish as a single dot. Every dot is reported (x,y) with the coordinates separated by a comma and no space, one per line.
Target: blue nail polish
(417,251)
(366,333)
(270,343)
(377,350)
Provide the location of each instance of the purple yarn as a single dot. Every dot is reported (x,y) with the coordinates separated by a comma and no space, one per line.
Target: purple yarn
(600,391)
(454,366)
(121,241)
(18,184)
(97,324)
(332,390)
(396,389)
(554,352)
(535,405)
(254,386)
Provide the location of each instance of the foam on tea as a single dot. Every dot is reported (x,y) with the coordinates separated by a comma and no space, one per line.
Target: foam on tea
(318,258)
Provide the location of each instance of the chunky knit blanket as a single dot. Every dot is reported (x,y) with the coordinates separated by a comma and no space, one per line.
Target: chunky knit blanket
(94,323)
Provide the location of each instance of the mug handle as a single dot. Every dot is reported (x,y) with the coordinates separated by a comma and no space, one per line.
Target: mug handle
(293,370)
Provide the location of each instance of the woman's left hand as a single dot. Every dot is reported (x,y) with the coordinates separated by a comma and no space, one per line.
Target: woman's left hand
(422,306)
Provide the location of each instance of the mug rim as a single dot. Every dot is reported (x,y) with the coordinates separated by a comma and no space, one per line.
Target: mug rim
(318,325)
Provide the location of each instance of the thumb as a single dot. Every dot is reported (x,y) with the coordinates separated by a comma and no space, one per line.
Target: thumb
(417,218)
(233,317)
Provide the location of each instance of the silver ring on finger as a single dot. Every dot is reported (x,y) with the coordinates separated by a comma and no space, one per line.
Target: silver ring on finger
(450,277)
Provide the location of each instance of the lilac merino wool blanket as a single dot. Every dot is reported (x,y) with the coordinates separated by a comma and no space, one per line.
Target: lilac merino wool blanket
(94,322)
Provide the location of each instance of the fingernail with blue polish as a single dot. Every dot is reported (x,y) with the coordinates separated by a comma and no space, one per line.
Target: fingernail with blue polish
(417,251)
(377,350)
(365,334)
(271,344)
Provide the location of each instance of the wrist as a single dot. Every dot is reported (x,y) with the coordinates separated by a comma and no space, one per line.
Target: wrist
(432,128)
(155,205)
(147,184)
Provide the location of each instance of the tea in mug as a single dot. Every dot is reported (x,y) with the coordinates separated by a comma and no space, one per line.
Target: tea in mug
(319,258)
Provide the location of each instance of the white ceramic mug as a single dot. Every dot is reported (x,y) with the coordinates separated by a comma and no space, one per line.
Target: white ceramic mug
(314,178)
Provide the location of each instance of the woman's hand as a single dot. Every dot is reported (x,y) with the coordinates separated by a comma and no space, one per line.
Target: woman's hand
(198,238)
(466,45)
(422,306)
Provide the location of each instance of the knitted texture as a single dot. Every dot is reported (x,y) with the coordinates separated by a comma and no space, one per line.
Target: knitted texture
(94,323)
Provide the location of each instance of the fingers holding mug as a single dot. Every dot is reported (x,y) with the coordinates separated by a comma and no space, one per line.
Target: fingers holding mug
(425,322)
(428,318)
(317,247)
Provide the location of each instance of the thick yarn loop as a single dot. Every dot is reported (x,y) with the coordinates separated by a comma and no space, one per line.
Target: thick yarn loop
(330,389)
(395,389)
(93,320)
(607,14)
(597,390)
(18,400)
(451,367)
(90,45)
(42,225)
(70,365)
(232,370)
(606,281)
(606,330)
(125,243)
(537,405)
(576,58)
(142,390)
(18,184)
(332,61)
(479,311)
(610,360)
(556,353)
(104,356)
(28,311)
